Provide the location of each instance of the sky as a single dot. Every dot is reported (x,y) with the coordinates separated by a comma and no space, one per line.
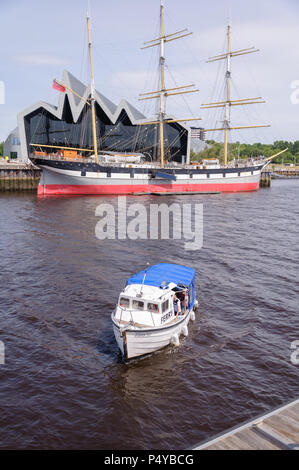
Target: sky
(41,39)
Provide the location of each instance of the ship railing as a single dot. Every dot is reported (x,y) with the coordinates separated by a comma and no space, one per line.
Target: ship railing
(56,157)
(60,158)
(154,165)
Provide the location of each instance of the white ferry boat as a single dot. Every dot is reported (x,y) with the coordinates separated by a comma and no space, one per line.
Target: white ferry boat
(154,309)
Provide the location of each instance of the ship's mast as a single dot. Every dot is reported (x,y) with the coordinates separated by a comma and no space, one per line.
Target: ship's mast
(163,93)
(162,79)
(227,106)
(92,95)
(228,103)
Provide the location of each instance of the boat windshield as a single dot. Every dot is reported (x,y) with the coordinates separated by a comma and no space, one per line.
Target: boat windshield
(124,302)
(153,307)
(138,305)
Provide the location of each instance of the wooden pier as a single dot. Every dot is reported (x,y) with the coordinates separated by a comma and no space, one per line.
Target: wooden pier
(291,172)
(18,177)
(265,181)
(278,430)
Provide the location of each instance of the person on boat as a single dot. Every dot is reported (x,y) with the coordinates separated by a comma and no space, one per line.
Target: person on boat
(184,301)
(177,306)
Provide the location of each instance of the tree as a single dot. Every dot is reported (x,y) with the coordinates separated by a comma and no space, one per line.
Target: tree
(255,150)
(193,155)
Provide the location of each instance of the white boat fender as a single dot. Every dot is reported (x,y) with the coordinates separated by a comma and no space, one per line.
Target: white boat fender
(175,340)
(185,330)
(196,304)
(192,315)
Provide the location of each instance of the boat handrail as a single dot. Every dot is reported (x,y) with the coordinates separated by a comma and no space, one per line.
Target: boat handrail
(131,314)
(127,310)
(152,318)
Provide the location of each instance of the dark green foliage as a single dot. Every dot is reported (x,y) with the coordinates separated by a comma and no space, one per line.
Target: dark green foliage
(246,151)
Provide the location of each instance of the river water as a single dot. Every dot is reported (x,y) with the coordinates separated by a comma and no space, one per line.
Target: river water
(64,384)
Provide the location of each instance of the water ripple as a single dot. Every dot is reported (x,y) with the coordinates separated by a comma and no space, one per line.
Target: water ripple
(64,384)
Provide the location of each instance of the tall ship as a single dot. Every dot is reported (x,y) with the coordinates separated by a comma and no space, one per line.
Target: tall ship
(98,169)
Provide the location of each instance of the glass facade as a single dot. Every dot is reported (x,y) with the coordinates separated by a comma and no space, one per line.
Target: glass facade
(45,129)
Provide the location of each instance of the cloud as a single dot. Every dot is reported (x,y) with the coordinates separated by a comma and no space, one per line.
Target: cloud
(39,60)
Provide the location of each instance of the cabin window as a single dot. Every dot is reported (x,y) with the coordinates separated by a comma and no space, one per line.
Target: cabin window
(153,307)
(138,305)
(165,306)
(124,302)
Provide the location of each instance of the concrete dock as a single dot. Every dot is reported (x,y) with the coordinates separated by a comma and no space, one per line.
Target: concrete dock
(278,430)
(18,176)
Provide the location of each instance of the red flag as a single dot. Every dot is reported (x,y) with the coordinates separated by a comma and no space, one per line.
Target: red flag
(57,86)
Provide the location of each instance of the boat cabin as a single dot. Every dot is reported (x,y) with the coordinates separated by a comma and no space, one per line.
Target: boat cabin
(150,299)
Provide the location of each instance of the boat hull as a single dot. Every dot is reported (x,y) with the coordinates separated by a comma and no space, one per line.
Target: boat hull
(136,342)
(58,181)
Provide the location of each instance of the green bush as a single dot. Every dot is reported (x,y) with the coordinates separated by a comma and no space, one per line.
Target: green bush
(246,151)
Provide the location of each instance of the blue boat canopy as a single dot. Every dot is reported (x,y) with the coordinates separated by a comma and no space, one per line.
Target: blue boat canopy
(163,273)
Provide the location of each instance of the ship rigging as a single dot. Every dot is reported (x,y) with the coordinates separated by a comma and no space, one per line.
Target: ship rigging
(115,172)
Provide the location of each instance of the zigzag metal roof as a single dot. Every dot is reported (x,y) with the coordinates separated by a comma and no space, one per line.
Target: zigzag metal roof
(76,104)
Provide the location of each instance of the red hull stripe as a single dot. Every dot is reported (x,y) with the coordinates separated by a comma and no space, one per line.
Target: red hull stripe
(57,189)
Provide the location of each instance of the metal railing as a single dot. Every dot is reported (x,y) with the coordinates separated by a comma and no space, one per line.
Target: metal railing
(155,165)
(132,322)
(60,158)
